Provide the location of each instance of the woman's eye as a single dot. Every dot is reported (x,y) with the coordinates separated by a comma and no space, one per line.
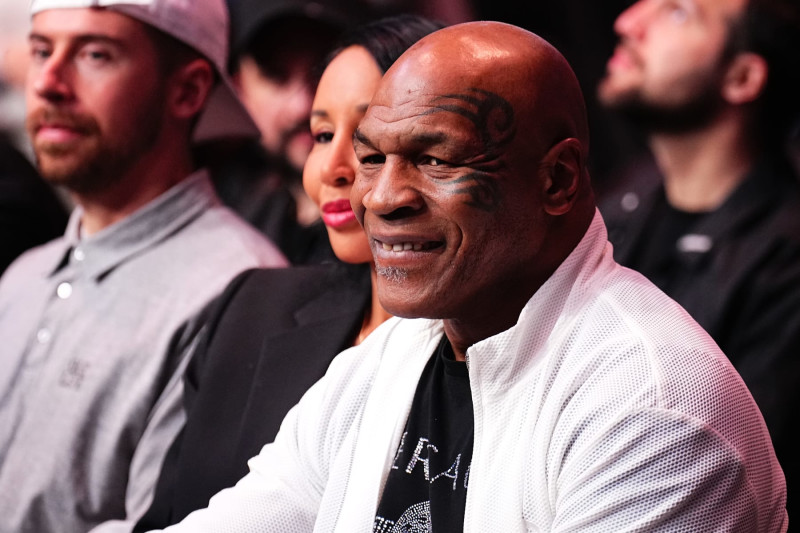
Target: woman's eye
(322,138)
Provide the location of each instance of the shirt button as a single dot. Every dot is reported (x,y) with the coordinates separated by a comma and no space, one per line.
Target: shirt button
(78,254)
(64,290)
(629,202)
(43,335)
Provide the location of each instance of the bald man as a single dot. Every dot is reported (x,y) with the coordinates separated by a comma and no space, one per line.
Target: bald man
(542,387)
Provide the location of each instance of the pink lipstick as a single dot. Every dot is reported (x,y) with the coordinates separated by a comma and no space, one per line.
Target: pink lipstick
(337,213)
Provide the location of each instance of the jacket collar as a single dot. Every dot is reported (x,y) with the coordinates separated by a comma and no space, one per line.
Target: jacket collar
(501,358)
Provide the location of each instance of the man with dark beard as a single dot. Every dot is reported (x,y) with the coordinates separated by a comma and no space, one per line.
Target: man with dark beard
(275,49)
(714,85)
(116,97)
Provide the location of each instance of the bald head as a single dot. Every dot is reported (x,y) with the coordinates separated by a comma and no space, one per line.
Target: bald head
(472,184)
(515,64)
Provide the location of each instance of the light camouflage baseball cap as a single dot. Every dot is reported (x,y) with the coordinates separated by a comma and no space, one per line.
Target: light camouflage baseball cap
(201,24)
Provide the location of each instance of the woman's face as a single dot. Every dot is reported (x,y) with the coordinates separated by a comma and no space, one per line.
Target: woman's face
(344,91)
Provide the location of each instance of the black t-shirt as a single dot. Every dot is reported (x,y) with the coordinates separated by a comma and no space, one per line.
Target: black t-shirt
(660,254)
(427,487)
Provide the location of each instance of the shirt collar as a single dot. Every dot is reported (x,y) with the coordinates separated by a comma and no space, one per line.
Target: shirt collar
(154,222)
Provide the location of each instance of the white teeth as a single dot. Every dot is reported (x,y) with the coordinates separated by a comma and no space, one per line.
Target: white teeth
(402,246)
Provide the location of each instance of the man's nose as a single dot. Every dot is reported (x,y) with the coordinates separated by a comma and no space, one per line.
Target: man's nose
(51,79)
(392,191)
(631,22)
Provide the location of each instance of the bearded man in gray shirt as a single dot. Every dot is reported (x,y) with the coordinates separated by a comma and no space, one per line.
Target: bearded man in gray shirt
(118,97)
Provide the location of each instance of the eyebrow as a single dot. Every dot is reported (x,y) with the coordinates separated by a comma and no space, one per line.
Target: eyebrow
(81,39)
(429,138)
(360,137)
(323,113)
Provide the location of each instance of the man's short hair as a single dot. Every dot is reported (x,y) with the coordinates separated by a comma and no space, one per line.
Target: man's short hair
(771,29)
(172,53)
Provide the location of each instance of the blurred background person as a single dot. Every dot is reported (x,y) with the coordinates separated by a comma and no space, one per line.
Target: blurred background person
(30,211)
(714,85)
(273,332)
(275,47)
(115,97)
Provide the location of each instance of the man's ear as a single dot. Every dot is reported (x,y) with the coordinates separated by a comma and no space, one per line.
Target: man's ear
(745,78)
(190,86)
(561,172)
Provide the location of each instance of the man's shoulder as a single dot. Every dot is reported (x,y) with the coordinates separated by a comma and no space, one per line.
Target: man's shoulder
(218,241)
(632,348)
(650,328)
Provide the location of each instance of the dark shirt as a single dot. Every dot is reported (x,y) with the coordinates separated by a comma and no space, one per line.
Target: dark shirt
(427,486)
(258,188)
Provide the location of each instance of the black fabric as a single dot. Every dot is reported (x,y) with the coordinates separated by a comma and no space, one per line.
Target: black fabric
(744,290)
(270,336)
(659,255)
(258,189)
(30,212)
(426,489)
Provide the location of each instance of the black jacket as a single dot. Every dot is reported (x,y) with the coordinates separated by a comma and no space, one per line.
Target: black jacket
(270,336)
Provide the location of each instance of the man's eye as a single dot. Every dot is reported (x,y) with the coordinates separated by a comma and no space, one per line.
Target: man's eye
(40,52)
(372,159)
(678,13)
(432,161)
(96,55)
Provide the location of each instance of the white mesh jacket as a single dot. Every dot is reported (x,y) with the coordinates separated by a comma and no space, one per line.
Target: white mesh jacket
(605,408)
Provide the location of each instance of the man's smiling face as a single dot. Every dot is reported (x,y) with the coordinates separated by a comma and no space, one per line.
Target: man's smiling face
(453,221)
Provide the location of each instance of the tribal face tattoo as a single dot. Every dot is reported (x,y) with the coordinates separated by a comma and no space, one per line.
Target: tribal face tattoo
(448,197)
(493,120)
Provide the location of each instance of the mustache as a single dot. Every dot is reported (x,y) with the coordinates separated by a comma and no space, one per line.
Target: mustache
(630,51)
(50,116)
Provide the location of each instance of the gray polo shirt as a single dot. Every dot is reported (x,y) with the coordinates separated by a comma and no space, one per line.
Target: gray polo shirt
(85,356)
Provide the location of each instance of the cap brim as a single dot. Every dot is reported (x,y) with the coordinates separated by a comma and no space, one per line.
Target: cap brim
(224,116)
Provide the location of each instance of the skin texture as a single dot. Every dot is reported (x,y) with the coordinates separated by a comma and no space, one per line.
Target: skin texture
(104,119)
(472,158)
